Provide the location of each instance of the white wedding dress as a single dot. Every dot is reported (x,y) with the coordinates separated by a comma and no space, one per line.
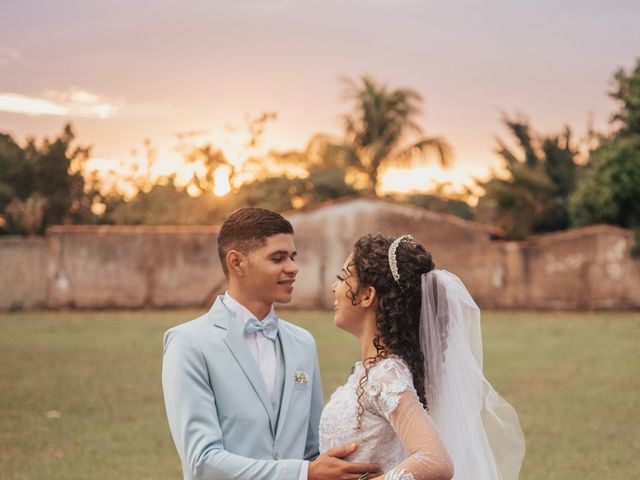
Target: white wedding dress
(396,431)
(468,422)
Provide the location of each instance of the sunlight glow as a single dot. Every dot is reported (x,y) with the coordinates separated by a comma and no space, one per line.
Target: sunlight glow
(193,191)
(423,178)
(455,182)
(221,184)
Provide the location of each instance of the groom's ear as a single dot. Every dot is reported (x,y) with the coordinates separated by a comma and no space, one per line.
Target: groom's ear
(235,262)
(368,297)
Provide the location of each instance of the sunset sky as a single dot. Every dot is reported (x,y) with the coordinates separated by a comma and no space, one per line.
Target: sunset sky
(123,71)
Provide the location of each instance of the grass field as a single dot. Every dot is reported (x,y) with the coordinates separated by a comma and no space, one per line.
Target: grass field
(80,394)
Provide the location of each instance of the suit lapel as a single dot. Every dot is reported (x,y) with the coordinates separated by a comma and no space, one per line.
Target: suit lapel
(289,377)
(222,317)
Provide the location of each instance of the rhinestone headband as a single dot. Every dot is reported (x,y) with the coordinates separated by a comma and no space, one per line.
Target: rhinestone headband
(393,263)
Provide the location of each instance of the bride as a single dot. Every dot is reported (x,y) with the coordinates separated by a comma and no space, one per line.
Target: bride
(418,403)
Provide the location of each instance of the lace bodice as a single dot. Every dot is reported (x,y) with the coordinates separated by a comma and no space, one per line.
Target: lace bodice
(396,432)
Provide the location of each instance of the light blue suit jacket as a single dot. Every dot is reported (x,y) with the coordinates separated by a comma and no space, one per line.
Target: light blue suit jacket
(220,414)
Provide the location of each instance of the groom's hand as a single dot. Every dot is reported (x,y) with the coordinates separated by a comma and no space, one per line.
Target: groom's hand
(331,466)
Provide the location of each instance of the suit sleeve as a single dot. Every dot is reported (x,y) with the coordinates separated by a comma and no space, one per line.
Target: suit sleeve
(312,447)
(193,420)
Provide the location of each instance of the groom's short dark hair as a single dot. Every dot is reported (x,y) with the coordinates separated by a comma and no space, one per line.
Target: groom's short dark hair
(247,229)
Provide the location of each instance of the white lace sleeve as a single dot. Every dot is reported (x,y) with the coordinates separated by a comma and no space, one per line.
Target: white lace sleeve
(390,391)
(387,380)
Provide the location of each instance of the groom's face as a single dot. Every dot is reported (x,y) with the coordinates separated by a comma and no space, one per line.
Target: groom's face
(271,270)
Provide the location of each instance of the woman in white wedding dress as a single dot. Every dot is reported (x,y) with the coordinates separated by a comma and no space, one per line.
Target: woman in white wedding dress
(417,403)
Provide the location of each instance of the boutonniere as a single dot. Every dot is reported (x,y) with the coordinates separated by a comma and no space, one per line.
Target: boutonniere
(301,377)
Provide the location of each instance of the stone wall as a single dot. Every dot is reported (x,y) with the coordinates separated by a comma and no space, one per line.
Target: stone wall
(23,279)
(587,268)
(326,234)
(134,267)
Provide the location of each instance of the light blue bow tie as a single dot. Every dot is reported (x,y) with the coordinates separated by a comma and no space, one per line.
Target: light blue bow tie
(268,327)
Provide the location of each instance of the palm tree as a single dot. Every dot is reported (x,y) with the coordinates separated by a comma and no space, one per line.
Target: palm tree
(382,130)
(533,197)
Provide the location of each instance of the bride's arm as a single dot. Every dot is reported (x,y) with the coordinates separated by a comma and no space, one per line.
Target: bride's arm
(393,396)
(427,457)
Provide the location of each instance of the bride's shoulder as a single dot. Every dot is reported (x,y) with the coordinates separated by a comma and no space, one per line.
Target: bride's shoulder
(388,378)
(391,369)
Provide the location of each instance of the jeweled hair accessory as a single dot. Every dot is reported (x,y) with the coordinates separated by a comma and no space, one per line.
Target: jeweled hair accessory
(393,263)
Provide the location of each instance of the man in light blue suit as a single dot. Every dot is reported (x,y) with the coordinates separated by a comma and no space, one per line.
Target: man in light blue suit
(242,388)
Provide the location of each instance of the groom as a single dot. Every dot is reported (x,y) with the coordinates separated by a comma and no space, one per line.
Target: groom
(242,388)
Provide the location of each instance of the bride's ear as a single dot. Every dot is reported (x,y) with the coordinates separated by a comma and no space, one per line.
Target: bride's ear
(369,296)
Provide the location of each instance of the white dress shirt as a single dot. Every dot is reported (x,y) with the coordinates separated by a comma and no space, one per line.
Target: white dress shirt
(263,351)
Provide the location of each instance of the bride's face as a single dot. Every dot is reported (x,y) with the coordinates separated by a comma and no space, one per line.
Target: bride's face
(347,316)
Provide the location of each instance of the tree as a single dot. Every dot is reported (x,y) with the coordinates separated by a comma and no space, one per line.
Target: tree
(274,193)
(324,162)
(533,198)
(166,204)
(27,214)
(560,167)
(609,190)
(515,203)
(383,131)
(438,202)
(42,185)
(211,158)
(627,92)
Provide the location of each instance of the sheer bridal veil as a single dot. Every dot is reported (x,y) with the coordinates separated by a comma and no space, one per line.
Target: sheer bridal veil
(479,428)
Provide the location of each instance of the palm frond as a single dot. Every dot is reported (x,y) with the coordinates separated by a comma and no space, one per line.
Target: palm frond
(506,154)
(421,150)
(521,130)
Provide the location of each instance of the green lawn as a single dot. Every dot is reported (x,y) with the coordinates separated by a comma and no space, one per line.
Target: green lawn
(80,393)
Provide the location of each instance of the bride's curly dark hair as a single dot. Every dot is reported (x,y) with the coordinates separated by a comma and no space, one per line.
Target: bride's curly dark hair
(398,316)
